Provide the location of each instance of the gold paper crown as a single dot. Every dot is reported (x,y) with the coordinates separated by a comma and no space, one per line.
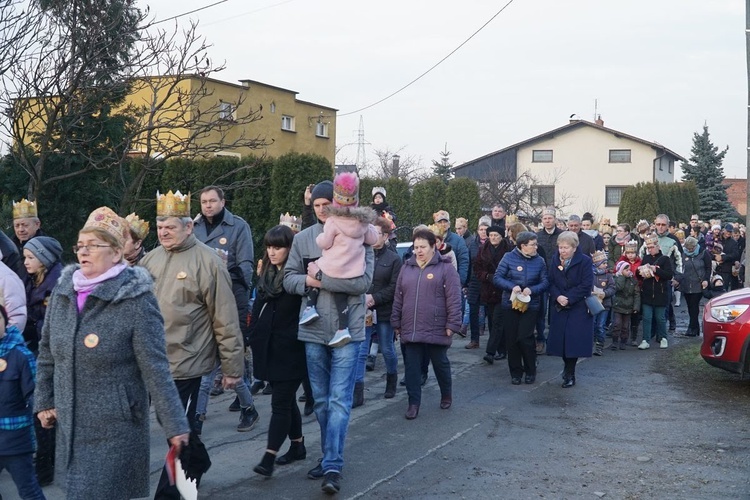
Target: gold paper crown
(105,219)
(510,219)
(24,209)
(172,204)
(437,230)
(652,239)
(295,223)
(631,245)
(138,226)
(599,256)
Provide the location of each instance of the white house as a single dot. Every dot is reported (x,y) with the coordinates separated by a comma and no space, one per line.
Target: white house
(580,167)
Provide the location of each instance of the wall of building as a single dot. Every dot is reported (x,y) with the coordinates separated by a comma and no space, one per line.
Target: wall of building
(580,168)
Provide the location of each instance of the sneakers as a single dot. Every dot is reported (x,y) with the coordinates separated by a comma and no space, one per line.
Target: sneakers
(248,418)
(472,345)
(340,339)
(644,345)
(613,347)
(331,483)
(634,343)
(309,315)
(256,387)
(599,350)
(663,344)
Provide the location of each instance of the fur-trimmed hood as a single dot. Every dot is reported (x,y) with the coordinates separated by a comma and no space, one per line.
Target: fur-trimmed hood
(361,214)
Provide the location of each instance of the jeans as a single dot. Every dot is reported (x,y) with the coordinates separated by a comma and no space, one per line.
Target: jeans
(285,417)
(242,389)
(541,319)
(620,327)
(476,318)
(387,347)
(600,326)
(332,371)
(21,469)
(414,354)
(654,313)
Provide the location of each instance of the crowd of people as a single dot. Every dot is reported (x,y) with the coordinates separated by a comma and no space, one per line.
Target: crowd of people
(125,329)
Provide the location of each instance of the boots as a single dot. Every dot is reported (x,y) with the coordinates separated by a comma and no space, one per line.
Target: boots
(297,451)
(265,467)
(359,394)
(390,385)
(599,350)
(370,363)
(248,418)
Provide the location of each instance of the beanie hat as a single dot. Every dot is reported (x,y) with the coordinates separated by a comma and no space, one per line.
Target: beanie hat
(322,189)
(378,190)
(441,215)
(729,228)
(715,227)
(621,266)
(495,229)
(346,190)
(47,250)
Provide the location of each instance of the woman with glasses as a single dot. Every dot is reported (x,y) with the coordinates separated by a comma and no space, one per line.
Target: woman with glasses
(522,277)
(101,357)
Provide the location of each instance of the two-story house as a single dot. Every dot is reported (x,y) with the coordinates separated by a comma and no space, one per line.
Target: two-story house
(580,167)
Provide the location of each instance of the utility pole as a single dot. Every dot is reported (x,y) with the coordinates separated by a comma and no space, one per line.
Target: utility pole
(747,176)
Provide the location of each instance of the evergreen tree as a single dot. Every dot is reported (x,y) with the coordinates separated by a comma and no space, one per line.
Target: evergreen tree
(706,171)
(443,168)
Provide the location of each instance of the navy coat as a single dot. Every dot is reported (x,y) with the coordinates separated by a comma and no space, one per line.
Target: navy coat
(571,329)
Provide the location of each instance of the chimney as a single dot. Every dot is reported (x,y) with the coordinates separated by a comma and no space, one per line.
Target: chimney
(396,160)
(599,121)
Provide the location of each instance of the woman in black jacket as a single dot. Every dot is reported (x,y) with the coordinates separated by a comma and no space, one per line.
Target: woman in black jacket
(278,356)
(656,271)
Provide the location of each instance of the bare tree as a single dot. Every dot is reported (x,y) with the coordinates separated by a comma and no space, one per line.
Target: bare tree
(393,164)
(16,25)
(522,196)
(118,94)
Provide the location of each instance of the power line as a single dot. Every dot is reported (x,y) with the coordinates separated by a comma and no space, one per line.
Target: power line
(248,13)
(432,67)
(191,12)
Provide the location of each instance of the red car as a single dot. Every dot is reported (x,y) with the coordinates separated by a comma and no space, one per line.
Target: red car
(726,331)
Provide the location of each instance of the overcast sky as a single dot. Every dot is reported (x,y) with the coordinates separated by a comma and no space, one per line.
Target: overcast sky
(659,68)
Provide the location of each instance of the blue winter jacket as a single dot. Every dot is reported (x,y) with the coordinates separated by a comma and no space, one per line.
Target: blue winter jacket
(459,247)
(16,388)
(517,269)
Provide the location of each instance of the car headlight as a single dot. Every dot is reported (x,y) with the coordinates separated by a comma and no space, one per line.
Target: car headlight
(725,314)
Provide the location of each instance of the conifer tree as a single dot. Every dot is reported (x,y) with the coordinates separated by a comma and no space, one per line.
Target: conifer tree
(443,168)
(706,171)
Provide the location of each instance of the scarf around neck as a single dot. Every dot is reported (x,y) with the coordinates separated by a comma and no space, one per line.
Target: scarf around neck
(695,251)
(271,283)
(84,286)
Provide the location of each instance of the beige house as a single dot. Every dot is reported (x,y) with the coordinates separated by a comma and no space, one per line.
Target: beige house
(580,167)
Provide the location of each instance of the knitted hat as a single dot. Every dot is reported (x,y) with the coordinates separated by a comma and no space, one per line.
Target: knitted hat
(47,250)
(441,215)
(690,242)
(378,190)
(715,227)
(620,266)
(345,190)
(599,257)
(495,229)
(323,189)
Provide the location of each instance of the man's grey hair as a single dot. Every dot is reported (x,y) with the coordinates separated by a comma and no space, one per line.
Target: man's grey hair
(183,220)
(574,218)
(662,216)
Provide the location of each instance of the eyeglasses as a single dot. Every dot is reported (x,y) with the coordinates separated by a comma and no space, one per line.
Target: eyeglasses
(89,248)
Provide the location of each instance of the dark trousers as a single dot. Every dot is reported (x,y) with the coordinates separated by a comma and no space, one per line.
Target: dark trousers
(342,305)
(425,361)
(635,321)
(414,355)
(541,318)
(474,321)
(188,390)
(569,369)
(21,469)
(285,417)
(693,306)
(45,452)
(519,341)
(620,327)
(496,343)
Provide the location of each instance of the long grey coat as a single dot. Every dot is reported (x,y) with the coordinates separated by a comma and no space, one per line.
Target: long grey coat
(101,391)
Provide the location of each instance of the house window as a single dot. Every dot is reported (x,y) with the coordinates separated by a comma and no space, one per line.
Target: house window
(619,156)
(226,111)
(613,195)
(273,107)
(321,129)
(542,196)
(287,123)
(541,156)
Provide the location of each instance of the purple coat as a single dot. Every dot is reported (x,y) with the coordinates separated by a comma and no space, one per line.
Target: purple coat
(427,301)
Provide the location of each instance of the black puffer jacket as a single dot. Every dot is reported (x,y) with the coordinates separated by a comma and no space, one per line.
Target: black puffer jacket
(384,278)
(474,244)
(654,289)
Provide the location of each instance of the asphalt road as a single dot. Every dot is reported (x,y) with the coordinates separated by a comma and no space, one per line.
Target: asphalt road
(628,429)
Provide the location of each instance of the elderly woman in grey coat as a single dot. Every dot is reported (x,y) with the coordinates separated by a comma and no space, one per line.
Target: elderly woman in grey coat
(102,354)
